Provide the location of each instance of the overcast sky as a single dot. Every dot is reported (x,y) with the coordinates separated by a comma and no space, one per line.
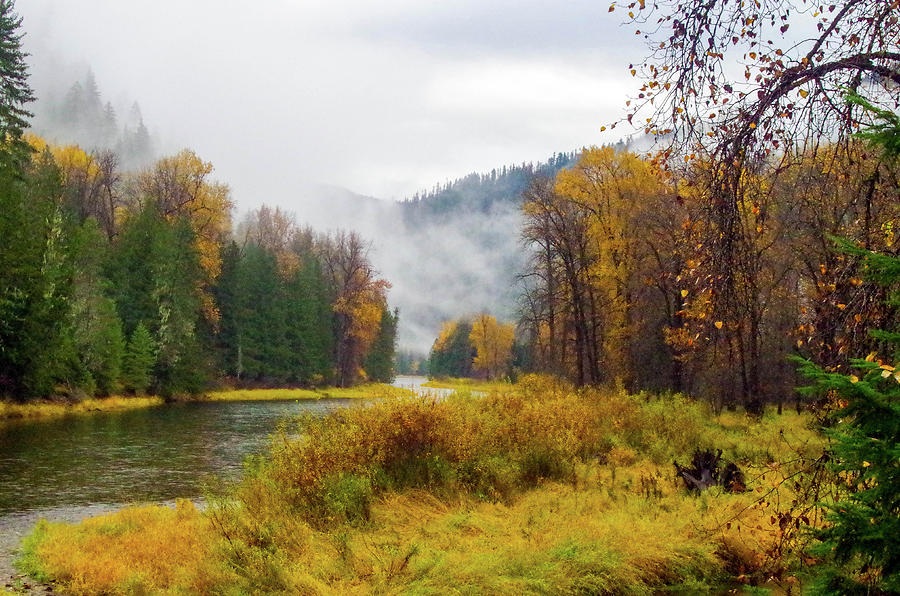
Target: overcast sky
(383,98)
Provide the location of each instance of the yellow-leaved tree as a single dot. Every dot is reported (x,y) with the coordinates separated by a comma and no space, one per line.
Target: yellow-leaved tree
(359,300)
(613,187)
(493,343)
(90,182)
(181,186)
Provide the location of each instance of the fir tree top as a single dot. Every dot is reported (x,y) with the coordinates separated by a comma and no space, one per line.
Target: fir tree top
(15,92)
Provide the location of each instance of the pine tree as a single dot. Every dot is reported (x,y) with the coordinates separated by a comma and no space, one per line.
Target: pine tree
(139,360)
(310,326)
(860,547)
(96,328)
(261,317)
(379,363)
(861,544)
(15,92)
(155,273)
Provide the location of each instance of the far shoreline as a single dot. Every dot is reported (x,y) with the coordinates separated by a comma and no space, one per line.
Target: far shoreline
(46,409)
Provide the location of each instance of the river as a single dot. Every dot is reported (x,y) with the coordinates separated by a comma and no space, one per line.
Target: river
(68,468)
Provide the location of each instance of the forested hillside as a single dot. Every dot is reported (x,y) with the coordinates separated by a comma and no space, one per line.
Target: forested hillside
(116,280)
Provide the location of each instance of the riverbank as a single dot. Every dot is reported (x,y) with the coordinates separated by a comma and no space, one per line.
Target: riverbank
(460,384)
(538,489)
(47,409)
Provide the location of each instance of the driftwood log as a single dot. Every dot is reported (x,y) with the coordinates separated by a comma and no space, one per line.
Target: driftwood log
(705,471)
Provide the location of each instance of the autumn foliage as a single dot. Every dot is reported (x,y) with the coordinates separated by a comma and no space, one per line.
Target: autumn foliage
(537,484)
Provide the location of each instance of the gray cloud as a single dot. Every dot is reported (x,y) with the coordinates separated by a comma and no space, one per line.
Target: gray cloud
(529,27)
(385,98)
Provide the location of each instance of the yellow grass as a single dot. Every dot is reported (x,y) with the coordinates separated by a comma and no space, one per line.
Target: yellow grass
(460,384)
(369,390)
(50,409)
(42,409)
(139,550)
(600,534)
(344,509)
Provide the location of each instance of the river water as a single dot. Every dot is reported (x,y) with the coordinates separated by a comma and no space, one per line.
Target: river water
(68,468)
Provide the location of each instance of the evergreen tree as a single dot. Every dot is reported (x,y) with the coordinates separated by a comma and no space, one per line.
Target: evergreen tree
(861,545)
(15,92)
(310,328)
(155,275)
(226,294)
(379,365)
(35,281)
(139,360)
(261,317)
(453,353)
(96,328)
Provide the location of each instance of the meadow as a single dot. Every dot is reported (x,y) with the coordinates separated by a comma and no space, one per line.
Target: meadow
(536,488)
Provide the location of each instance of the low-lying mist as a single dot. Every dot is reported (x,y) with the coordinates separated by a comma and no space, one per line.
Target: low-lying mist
(439,269)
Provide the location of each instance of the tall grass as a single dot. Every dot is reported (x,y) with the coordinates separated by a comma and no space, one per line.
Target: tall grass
(140,550)
(52,409)
(538,489)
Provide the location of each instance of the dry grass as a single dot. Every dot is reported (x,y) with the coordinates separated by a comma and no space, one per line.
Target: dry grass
(367,391)
(462,384)
(139,550)
(52,409)
(540,490)
(43,409)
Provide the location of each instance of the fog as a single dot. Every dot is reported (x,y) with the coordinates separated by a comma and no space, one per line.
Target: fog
(294,100)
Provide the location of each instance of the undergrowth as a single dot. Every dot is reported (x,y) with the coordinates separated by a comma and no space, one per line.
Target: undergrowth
(536,489)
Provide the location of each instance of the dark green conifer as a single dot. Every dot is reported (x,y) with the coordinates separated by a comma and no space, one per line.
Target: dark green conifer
(379,365)
(139,360)
(15,93)
(860,546)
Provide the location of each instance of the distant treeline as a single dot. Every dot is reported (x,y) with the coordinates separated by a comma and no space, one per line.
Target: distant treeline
(136,282)
(480,193)
(82,117)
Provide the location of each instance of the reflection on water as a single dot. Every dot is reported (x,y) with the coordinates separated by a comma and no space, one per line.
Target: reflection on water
(150,454)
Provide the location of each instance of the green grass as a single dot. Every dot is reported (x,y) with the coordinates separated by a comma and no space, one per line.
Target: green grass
(535,490)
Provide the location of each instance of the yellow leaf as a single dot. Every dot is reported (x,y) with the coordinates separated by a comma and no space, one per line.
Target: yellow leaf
(866,464)
(718,324)
(841,306)
(870,357)
(804,93)
(684,293)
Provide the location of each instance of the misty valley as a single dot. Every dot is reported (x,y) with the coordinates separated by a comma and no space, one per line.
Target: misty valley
(661,362)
